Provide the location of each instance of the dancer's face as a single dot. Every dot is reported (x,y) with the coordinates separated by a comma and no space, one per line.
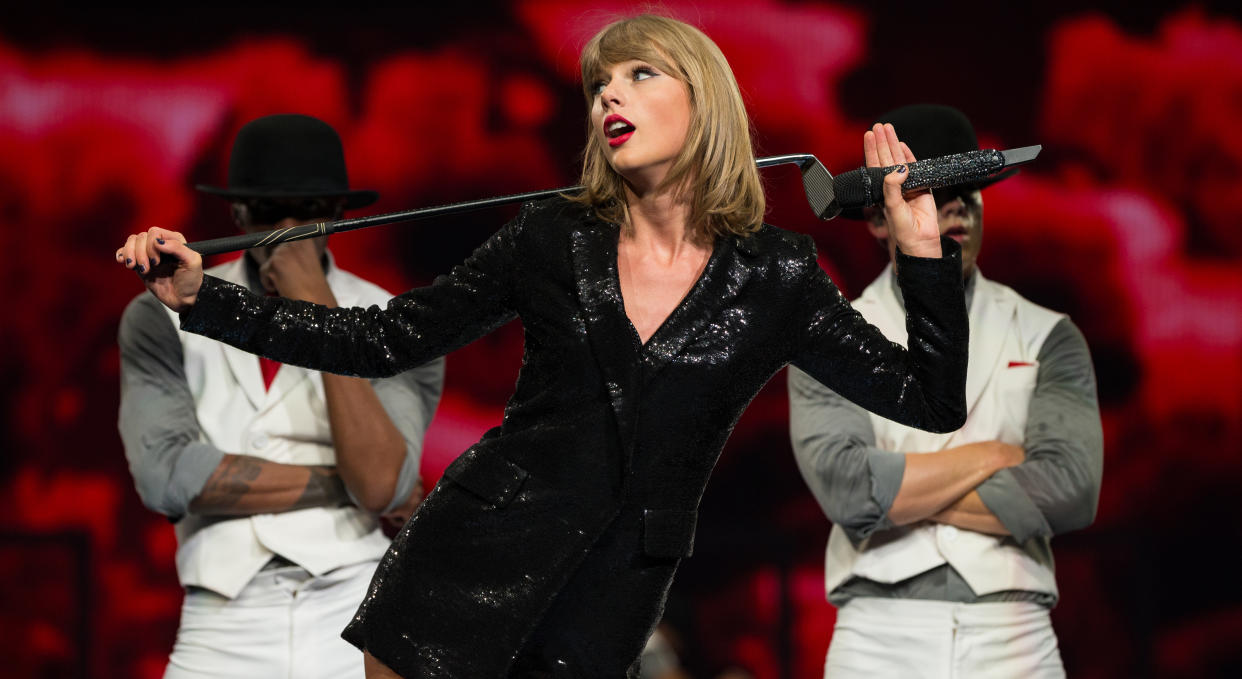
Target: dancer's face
(960,213)
(642,115)
(263,214)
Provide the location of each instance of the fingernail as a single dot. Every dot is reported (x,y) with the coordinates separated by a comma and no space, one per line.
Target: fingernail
(159,240)
(139,268)
(901,170)
(128,260)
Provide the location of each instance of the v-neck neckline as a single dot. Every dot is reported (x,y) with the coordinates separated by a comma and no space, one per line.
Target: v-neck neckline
(712,263)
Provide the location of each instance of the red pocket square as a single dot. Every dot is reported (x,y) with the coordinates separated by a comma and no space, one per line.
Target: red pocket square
(1019,364)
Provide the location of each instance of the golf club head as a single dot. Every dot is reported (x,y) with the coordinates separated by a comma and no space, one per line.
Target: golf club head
(819,190)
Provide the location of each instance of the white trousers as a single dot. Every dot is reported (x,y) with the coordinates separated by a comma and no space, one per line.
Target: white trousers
(286,624)
(942,640)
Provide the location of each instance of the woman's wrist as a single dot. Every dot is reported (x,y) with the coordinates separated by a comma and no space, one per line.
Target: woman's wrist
(928,248)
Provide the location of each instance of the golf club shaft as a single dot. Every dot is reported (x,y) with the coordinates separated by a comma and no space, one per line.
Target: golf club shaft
(244,241)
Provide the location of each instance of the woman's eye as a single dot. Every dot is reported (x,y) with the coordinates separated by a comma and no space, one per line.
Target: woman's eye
(643,72)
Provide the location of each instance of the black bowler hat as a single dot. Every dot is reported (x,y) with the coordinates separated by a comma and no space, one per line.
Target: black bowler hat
(289,156)
(932,130)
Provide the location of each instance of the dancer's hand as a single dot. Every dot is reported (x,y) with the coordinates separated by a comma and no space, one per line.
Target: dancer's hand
(170,270)
(398,517)
(911,219)
(294,270)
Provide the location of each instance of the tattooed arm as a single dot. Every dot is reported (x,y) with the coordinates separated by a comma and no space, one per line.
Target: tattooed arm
(174,470)
(243,485)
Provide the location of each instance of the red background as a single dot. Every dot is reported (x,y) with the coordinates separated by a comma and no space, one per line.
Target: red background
(1128,222)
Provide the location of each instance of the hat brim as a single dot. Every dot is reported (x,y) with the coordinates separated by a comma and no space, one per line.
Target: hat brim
(857,213)
(353,199)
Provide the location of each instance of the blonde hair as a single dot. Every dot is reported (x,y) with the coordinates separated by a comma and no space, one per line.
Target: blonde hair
(716,166)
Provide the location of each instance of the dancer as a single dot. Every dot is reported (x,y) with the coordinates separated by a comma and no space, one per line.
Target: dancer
(274,475)
(939,560)
(655,306)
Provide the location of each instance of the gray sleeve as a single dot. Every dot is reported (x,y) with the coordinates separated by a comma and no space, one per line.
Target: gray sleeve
(834,445)
(410,400)
(1058,486)
(157,420)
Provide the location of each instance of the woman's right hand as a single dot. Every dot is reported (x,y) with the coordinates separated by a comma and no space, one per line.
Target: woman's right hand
(171,271)
(912,220)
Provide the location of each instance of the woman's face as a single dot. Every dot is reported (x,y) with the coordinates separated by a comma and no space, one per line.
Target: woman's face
(642,115)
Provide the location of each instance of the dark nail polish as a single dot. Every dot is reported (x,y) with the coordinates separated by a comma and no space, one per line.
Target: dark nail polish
(140,269)
(159,240)
(128,260)
(901,170)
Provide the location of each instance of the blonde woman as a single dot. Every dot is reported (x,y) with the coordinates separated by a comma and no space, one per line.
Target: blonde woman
(655,305)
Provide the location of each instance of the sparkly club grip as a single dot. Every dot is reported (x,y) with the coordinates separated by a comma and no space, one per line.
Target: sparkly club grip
(865,186)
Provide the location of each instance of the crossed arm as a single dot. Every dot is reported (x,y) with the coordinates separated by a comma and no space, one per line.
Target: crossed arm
(175,473)
(1050,485)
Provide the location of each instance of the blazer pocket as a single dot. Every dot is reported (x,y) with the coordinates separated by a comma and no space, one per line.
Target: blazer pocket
(669,533)
(491,477)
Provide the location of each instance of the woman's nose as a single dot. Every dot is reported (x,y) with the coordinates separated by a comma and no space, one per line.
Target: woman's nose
(610,96)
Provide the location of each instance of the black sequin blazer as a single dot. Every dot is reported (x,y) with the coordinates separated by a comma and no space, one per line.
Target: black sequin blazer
(553,541)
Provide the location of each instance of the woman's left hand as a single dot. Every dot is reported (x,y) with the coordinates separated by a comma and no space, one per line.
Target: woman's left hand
(911,219)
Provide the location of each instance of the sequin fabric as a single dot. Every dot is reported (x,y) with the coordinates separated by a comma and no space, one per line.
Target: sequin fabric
(865,186)
(584,500)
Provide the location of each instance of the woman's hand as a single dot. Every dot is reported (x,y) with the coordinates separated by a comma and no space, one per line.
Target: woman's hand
(911,219)
(171,271)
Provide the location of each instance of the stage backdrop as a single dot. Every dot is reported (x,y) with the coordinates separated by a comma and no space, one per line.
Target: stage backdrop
(1128,222)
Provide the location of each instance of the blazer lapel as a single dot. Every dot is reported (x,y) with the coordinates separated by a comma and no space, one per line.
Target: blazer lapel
(723,277)
(245,366)
(286,380)
(290,377)
(593,247)
(991,317)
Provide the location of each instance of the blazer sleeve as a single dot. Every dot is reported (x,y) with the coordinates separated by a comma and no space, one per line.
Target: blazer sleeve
(923,386)
(473,299)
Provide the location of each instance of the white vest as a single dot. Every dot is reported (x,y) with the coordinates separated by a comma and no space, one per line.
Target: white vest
(1006,333)
(287,423)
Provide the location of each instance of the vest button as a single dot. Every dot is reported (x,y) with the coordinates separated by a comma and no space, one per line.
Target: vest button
(259,442)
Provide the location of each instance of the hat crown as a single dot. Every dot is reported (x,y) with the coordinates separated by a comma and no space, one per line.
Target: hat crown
(290,153)
(932,130)
(289,156)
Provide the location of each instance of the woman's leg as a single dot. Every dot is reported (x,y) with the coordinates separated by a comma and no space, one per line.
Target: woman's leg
(376,669)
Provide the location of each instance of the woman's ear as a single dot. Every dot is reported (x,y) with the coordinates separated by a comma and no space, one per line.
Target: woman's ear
(241,216)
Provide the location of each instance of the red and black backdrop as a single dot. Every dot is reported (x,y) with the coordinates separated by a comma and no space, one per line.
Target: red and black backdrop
(1129,222)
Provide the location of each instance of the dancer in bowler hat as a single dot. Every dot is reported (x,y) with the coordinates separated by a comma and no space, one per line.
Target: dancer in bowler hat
(276,477)
(939,560)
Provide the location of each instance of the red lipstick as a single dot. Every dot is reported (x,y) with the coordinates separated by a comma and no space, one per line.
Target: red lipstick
(617,130)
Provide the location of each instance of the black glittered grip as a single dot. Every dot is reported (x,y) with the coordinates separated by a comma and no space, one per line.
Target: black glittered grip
(865,186)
